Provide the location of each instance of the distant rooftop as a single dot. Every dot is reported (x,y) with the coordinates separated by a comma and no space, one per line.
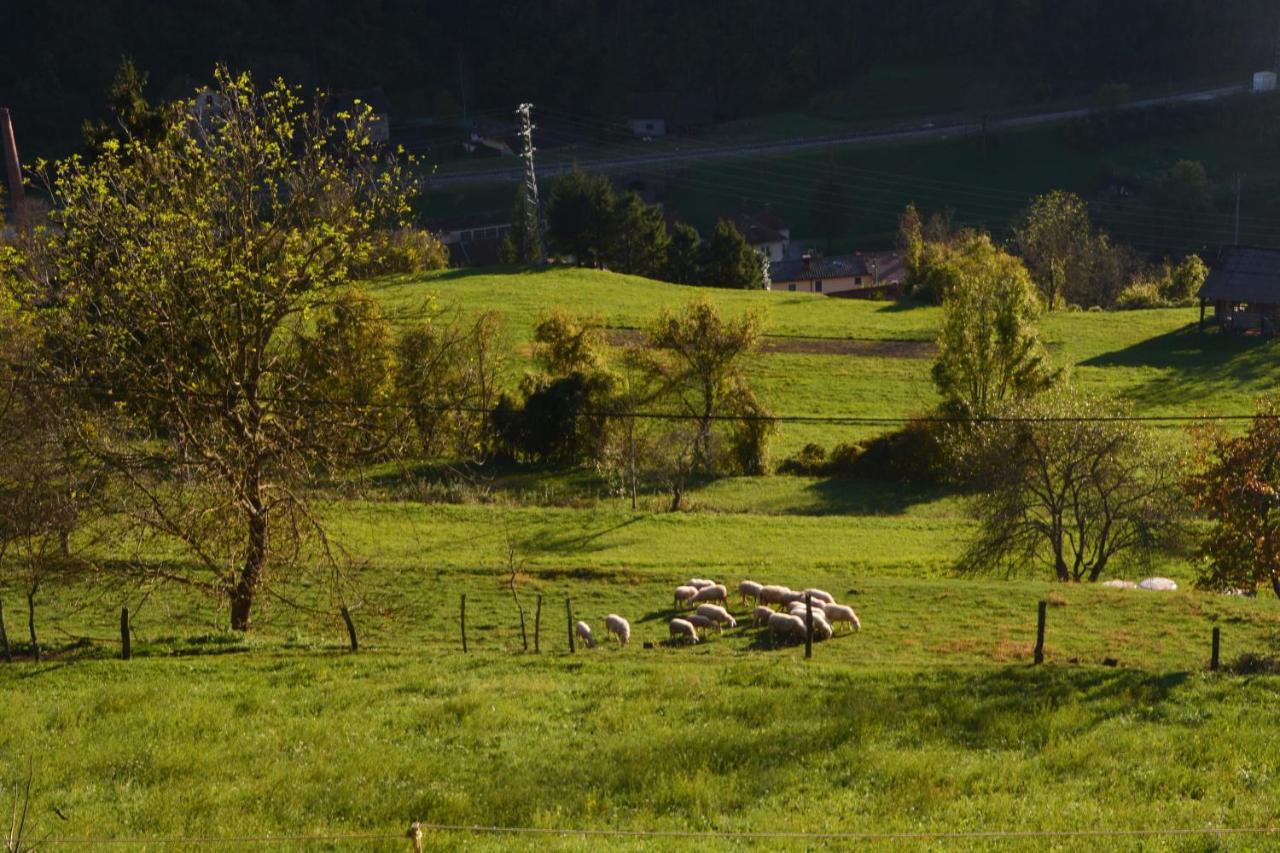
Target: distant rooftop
(1244,274)
(817,268)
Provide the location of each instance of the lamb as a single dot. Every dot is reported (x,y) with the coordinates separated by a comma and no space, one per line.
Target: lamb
(749,589)
(717,614)
(762,614)
(683,628)
(684,595)
(1158,584)
(700,583)
(785,623)
(617,626)
(583,630)
(820,597)
(697,620)
(842,613)
(773,594)
(715,592)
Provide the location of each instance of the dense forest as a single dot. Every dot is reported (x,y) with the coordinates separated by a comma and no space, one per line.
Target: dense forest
(580,56)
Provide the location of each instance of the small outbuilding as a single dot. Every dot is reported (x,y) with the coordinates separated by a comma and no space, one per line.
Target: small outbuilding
(1244,290)
(1264,81)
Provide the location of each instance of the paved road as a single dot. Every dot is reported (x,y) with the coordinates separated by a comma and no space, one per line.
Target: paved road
(921,130)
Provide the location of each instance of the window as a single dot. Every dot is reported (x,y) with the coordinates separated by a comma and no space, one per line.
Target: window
(857,279)
(817,287)
(791,286)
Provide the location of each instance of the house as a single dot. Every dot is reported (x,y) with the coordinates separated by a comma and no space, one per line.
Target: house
(1244,289)
(764,231)
(854,275)
(473,241)
(660,113)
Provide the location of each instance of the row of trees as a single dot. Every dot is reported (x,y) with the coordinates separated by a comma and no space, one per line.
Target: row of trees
(1067,258)
(588,223)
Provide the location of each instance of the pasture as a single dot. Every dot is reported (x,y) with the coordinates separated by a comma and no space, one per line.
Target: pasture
(930,719)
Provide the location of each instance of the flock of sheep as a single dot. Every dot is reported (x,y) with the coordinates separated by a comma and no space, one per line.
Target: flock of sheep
(709,602)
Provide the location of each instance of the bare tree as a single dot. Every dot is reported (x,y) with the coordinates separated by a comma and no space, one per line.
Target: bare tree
(1062,484)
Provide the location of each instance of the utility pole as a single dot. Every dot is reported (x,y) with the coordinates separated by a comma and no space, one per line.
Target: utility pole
(531,234)
(12,167)
(1236,242)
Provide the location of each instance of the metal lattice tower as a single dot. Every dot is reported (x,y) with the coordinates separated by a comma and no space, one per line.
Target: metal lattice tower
(531,234)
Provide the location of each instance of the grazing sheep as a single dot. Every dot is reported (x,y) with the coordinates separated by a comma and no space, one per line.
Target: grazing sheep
(684,595)
(749,589)
(718,614)
(583,630)
(683,628)
(700,583)
(797,608)
(762,614)
(786,624)
(842,613)
(792,596)
(821,628)
(715,592)
(697,620)
(771,594)
(1119,584)
(1158,584)
(820,597)
(619,627)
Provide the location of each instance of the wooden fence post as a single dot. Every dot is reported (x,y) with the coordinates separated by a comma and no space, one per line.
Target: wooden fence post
(414,834)
(537,627)
(351,628)
(4,637)
(126,649)
(1213,657)
(568,616)
(1039,654)
(808,625)
(462,620)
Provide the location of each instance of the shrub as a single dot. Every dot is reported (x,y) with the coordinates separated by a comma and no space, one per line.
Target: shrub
(810,461)
(1142,293)
(916,453)
(401,251)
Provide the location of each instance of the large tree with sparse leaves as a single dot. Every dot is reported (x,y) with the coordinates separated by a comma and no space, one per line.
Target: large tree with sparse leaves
(184,269)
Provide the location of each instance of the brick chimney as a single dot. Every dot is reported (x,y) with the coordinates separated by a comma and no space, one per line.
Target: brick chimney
(12,165)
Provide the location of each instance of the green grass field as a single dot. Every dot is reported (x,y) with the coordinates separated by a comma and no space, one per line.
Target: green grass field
(931,719)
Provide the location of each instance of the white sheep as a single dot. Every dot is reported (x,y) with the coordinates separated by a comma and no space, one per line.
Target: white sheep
(683,628)
(583,630)
(1119,584)
(715,592)
(821,628)
(749,590)
(1158,584)
(697,620)
(842,613)
(797,608)
(617,626)
(772,594)
(785,623)
(700,583)
(718,614)
(684,595)
(762,614)
(820,597)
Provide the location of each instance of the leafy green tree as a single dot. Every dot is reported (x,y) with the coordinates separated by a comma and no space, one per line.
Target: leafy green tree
(183,271)
(1237,486)
(1185,186)
(1183,282)
(640,241)
(580,217)
(132,115)
(1060,483)
(698,360)
(911,240)
(728,260)
(988,350)
(1054,241)
(683,264)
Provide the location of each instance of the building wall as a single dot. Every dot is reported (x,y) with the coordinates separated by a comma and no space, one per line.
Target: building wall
(775,251)
(828,285)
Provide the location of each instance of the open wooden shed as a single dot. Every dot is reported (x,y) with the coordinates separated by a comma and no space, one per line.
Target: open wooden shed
(1244,290)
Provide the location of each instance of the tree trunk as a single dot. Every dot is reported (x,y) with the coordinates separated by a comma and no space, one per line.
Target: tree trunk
(677,498)
(31,624)
(242,593)
(1275,584)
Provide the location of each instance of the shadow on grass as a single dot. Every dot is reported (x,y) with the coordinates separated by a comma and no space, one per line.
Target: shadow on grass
(899,306)
(1199,364)
(838,496)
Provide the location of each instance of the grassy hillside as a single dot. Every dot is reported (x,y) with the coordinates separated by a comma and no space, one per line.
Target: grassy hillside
(929,719)
(1156,360)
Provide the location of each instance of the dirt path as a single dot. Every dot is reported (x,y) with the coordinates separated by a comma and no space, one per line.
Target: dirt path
(813,346)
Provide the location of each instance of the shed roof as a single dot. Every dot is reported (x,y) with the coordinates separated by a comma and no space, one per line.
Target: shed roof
(837,266)
(1244,274)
